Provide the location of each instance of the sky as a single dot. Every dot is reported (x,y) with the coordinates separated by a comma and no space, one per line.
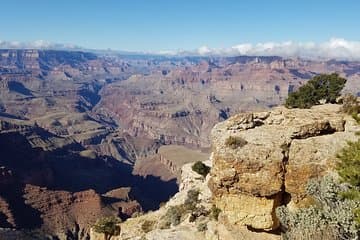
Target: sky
(173,25)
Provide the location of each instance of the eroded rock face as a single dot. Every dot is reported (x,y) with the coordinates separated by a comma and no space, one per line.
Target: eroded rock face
(190,99)
(40,190)
(133,229)
(284,149)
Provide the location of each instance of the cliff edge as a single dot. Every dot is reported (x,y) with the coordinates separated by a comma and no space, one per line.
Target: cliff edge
(264,160)
(259,161)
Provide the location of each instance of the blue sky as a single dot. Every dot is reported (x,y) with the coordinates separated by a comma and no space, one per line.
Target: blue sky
(153,25)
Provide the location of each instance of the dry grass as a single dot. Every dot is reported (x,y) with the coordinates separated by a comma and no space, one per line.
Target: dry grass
(235,142)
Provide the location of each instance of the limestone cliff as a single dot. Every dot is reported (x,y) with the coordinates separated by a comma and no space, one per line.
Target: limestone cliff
(259,162)
(280,151)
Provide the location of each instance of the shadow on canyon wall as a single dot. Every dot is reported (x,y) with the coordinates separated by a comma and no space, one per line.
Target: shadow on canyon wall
(64,169)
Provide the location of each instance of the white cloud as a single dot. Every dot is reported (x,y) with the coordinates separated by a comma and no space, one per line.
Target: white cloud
(204,50)
(335,48)
(38,44)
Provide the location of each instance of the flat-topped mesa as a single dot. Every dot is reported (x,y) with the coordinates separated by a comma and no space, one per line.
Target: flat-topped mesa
(263,160)
(6,126)
(36,136)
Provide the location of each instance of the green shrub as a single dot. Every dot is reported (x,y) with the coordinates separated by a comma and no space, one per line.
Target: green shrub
(322,87)
(201,168)
(147,226)
(173,215)
(108,226)
(192,199)
(198,212)
(351,106)
(348,165)
(215,212)
(356,117)
(331,217)
(348,168)
(202,227)
(352,194)
(235,142)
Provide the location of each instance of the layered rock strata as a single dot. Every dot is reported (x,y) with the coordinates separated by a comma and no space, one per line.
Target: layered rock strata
(264,160)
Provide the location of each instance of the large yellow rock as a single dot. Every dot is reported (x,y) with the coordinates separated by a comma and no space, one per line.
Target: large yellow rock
(246,210)
(272,159)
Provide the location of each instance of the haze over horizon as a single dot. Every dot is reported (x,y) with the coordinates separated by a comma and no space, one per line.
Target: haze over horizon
(320,29)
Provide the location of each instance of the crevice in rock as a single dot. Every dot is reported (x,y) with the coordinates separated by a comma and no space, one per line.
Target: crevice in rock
(274,231)
(258,123)
(285,197)
(307,133)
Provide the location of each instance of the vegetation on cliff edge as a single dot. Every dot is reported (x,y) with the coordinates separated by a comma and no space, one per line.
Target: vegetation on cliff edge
(108,226)
(351,106)
(201,168)
(176,214)
(324,87)
(235,142)
(331,217)
(335,212)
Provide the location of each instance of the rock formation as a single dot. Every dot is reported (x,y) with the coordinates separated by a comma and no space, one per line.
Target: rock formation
(283,149)
(186,230)
(170,157)
(268,162)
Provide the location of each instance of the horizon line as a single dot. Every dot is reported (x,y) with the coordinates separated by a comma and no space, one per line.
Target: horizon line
(335,48)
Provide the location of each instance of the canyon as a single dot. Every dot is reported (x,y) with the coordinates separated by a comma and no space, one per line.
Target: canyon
(282,149)
(84,135)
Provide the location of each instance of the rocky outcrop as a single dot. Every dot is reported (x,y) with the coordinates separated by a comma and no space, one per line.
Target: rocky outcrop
(64,214)
(267,162)
(133,228)
(282,149)
(58,213)
(175,156)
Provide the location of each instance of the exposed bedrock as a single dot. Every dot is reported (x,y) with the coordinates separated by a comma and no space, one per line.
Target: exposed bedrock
(270,159)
